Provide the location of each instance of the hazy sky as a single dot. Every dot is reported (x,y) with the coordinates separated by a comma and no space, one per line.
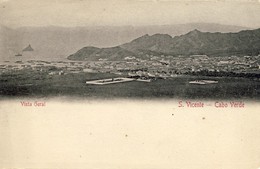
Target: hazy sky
(16,13)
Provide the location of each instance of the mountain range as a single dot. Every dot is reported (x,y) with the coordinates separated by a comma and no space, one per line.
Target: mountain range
(53,42)
(246,42)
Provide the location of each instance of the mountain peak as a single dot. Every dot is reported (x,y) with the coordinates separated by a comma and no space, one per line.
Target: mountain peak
(195,31)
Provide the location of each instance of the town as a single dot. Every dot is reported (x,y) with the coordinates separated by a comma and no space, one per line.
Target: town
(152,66)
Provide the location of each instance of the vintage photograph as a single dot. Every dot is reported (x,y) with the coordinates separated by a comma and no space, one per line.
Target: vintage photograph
(130,49)
(129,84)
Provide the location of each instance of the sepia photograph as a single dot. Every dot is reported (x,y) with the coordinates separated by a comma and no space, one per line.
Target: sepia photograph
(133,84)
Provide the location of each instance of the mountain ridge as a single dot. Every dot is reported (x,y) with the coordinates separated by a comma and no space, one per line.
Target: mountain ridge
(245,42)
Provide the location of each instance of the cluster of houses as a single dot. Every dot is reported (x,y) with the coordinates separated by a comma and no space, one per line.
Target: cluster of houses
(159,66)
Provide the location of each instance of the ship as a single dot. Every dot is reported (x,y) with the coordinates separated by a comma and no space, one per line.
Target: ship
(203,82)
(18,54)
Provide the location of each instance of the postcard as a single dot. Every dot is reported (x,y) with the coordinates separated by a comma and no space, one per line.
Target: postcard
(133,84)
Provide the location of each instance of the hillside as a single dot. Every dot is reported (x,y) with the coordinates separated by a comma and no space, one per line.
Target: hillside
(242,43)
(94,54)
(195,42)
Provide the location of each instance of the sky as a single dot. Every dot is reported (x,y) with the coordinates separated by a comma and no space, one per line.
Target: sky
(70,13)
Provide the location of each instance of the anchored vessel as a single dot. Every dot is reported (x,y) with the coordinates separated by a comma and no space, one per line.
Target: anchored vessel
(18,54)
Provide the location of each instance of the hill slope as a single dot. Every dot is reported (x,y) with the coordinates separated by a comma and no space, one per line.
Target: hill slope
(94,54)
(195,42)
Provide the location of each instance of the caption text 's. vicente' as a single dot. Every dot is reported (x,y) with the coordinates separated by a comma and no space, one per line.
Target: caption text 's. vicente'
(216,104)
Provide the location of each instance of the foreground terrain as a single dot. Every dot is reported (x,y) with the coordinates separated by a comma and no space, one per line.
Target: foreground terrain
(26,83)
